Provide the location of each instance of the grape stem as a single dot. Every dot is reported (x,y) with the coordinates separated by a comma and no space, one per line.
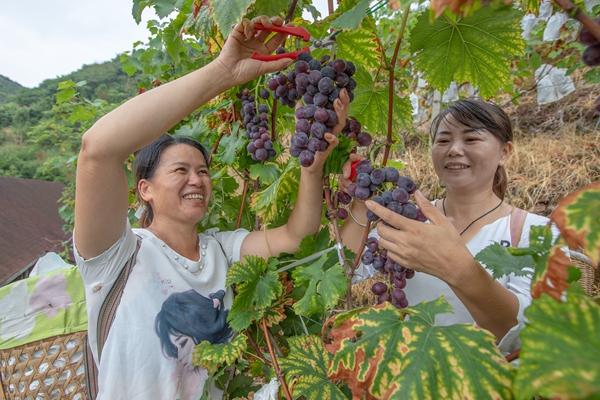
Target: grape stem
(256,348)
(215,147)
(575,12)
(245,192)
(389,141)
(349,269)
(278,370)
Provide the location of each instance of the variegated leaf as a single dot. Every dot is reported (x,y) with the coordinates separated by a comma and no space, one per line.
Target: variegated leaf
(360,47)
(578,218)
(265,202)
(478,49)
(308,361)
(560,354)
(379,354)
(212,356)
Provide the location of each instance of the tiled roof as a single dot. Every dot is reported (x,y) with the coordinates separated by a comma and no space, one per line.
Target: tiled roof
(30,224)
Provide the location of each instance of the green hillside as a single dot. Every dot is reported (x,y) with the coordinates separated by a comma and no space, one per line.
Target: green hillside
(7,88)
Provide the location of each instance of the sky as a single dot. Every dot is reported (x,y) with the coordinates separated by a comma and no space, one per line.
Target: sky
(45,39)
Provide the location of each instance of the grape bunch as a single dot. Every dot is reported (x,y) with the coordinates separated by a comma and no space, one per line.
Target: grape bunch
(353,130)
(591,55)
(396,273)
(317,83)
(257,127)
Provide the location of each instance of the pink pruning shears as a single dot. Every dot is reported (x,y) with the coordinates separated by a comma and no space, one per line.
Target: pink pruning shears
(296,31)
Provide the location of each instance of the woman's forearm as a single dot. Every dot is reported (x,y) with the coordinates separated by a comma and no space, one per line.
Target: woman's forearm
(492,306)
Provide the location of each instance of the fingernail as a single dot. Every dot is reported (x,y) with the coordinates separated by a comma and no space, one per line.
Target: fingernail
(368,203)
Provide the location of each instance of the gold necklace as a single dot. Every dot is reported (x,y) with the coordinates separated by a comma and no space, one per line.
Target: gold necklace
(476,219)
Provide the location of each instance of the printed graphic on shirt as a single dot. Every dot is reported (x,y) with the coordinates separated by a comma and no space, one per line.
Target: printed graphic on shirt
(185,320)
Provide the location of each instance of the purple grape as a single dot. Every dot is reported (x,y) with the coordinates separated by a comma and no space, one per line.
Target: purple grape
(326,85)
(320,99)
(280,50)
(351,86)
(268,144)
(304,56)
(420,216)
(302,125)
(355,126)
(400,195)
(309,111)
(344,198)
(281,79)
(299,139)
(308,98)
(251,148)
(261,154)
(328,72)
(281,92)
(312,89)
(371,216)
(295,151)
(265,94)
(301,66)
(364,139)
(408,184)
(410,273)
(362,193)
(302,80)
(314,77)
(317,129)
(373,245)
(321,115)
(398,294)
(377,176)
(387,196)
(342,213)
(351,189)
(378,264)
(314,64)
(313,144)
(341,79)
(395,207)
(409,210)
(379,288)
(306,158)
(379,200)
(383,298)
(364,166)
(363,180)
(391,174)
(350,68)
(263,108)
(339,65)
(332,119)
(367,258)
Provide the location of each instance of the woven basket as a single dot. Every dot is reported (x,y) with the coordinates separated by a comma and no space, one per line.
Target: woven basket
(51,368)
(590,274)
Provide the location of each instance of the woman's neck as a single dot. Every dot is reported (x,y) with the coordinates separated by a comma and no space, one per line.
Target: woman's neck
(183,240)
(466,207)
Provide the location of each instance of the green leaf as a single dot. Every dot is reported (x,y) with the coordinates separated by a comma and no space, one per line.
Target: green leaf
(265,202)
(80,113)
(578,218)
(257,285)
(338,156)
(212,356)
(535,61)
(325,286)
(165,7)
(351,19)
(267,172)
(173,42)
(560,355)
(371,105)
(65,95)
(310,245)
(496,257)
(415,359)
(136,10)
(271,7)
(478,49)
(240,320)
(308,361)
(359,46)
(228,13)
(230,145)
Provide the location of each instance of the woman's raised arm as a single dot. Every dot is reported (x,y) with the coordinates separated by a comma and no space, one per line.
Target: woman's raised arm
(101,187)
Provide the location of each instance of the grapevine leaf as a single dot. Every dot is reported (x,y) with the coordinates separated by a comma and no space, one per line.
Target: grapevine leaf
(227,13)
(212,356)
(257,285)
(271,7)
(65,95)
(136,10)
(338,156)
(578,219)
(477,49)
(240,320)
(325,285)
(560,355)
(310,245)
(265,202)
(497,259)
(164,8)
(81,113)
(415,359)
(371,104)
(351,19)
(202,24)
(173,41)
(267,172)
(308,361)
(230,145)
(551,274)
(359,46)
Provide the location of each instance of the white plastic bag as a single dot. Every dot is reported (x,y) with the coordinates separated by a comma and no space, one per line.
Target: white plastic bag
(268,391)
(553,84)
(552,31)
(47,263)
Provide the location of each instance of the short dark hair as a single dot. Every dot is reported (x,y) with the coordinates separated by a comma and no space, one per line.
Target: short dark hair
(147,160)
(479,114)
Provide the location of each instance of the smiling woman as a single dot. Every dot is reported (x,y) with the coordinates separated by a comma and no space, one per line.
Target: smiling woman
(471,143)
(178,275)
